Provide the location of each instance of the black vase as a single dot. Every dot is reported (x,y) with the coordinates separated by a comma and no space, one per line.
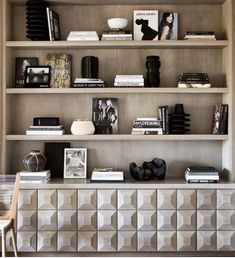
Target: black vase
(34,161)
(153,65)
(90,67)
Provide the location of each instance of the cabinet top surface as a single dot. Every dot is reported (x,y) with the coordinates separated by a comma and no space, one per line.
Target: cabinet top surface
(129,184)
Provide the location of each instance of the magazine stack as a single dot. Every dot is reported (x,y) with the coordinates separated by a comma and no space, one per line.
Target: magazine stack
(201,175)
(129,81)
(116,35)
(45,130)
(194,80)
(107,175)
(200,35)
(35,177)
(88,83)
(143,126)
(83,36)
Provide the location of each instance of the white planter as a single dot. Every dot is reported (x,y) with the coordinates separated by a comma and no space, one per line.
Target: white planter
(80,127)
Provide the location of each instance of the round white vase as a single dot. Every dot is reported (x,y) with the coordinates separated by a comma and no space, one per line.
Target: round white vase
(82,127)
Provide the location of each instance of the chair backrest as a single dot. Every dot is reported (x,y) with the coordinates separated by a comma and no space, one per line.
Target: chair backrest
(15,198)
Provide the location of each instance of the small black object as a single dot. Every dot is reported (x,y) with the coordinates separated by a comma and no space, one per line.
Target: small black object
(46,121)
(54,152)
(90,67)
(149,170)
(178,121)
(153,65)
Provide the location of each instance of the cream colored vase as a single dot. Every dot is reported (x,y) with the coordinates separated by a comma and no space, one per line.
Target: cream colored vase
(82,127)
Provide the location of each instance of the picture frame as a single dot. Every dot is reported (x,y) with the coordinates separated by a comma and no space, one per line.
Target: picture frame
(37,76)
(75,163)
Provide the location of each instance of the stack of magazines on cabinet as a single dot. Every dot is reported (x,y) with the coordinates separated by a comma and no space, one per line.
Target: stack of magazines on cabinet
(196,174)
(194,80)
(116,35)
(35,177)
(45,130)
(149,126)
(107,175)
(88,83)
(83,36)
(129,81)
(200,35)
(220,123)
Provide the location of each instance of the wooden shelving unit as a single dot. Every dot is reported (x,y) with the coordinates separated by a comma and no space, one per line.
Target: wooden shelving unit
(214,57)
(120,137)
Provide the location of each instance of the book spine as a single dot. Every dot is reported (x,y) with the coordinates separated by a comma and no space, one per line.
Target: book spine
(164,116)
(52,26)
(224,120)
(49,23)
(147,124)
(216,121)
(88,85)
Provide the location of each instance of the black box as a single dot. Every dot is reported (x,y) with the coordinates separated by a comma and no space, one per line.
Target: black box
(46,121)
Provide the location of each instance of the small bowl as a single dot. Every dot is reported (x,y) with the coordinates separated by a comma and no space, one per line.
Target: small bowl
(117,23)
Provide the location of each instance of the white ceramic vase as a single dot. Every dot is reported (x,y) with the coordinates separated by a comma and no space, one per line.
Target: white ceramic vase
(82,127)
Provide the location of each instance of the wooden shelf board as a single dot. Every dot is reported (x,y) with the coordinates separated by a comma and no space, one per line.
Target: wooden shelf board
(118,44)
(116,90)
(127,2)
(120,137)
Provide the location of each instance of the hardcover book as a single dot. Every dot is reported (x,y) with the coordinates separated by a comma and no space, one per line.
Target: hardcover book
(20,68)
(145,25)
(61,69)
(168,26)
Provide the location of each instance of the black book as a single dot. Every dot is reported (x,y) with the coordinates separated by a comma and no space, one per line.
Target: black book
(199,33)
(147,124)
(88,85)
(164,116)
(223,124)
(201,169)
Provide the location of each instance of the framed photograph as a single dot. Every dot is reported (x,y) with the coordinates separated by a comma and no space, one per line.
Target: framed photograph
(168,26)
(75,163)
(37,76)
(145,25)
(105,115)
(56,25)
(20,66)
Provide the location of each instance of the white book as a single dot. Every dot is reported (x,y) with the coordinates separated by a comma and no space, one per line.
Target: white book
(129,80)
(41,173)
(107,176)
(147,129)
(83,39)
(86,33)
(128,84)
(117,35)
(45,132)
(187,177)
(194,85)
(45,126)
(117,39)
(35,181)
(129,76)
(147,119)
(49,22)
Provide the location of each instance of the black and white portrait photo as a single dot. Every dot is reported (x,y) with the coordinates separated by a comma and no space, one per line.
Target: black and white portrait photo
(168,26)
(105,115)
(37,76)
(20,65)
(75,163)
(145,25)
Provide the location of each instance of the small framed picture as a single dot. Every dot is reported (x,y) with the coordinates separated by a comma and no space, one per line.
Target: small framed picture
(37,76)
(75,163)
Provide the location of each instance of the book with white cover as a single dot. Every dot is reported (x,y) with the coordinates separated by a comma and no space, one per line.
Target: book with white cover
(44,132)
(40,173)
(107,175)
(194,85)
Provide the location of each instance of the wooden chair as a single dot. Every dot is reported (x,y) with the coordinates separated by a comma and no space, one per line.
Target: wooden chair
(7,222)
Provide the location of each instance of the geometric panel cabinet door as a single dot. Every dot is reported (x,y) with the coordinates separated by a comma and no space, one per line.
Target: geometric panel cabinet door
(27,220)
(47,220)
(147,199)
(107,199)
(27,200)
(206,220)
(87,220)
(225,241)
(107,241)
(26,241)
(166,241)
(126,241)
(206,241)
(67,199)
(226,199)
(127,220)
(186,199)
(206,199)
(67,241)
(107,219)
(186,220)
(67,220)
(47,199)
(226,220)
(126,199)
(87,241)
(166,220)
(186,241)
(147,220)
(147,241)
(47,241)
(166,199)
(87,199)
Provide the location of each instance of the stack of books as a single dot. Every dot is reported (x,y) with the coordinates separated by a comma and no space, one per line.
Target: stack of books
(83,36)
(88,83)
(129,81)
(202,175)
(149,126)
(220,122)
(107,175)
(35,177)
(194,80)
(116,35)
(200,35)
(45,130)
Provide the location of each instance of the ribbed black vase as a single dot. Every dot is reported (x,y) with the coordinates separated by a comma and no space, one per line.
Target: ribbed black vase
(179,122)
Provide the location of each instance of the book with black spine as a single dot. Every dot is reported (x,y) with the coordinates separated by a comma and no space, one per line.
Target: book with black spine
(201,169)
(88,85)
(147,124)
(223,129)
(164,116)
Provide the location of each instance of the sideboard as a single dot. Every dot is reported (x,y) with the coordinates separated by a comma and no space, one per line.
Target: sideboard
(169,216)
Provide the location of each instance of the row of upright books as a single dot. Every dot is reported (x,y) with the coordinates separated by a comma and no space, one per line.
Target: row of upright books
(196,174)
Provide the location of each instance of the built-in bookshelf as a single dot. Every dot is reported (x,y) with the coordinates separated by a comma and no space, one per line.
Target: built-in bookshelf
(20,105)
